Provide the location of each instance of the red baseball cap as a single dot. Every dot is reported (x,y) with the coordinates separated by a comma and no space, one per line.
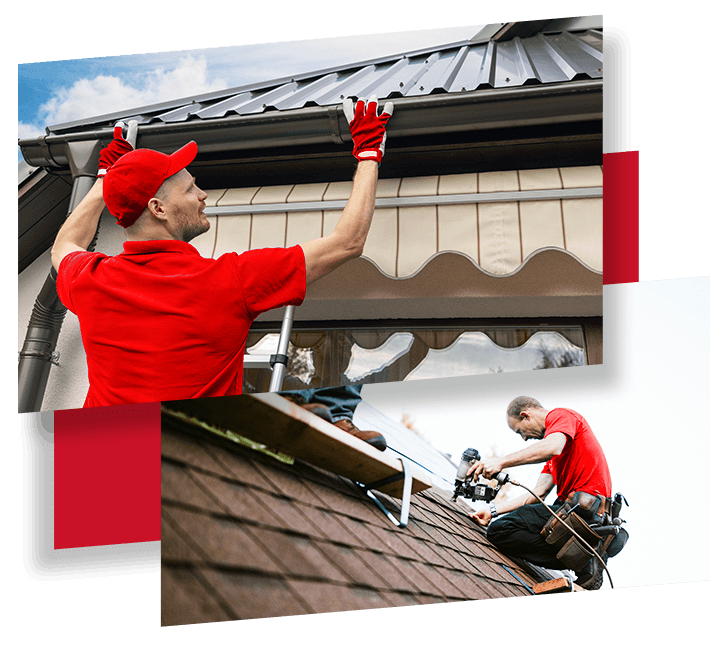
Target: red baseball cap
(135,178)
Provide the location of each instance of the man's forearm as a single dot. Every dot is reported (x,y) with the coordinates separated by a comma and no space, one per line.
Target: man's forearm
(542,488)
(80,227)
(508,505)
(354,224)
(347,241)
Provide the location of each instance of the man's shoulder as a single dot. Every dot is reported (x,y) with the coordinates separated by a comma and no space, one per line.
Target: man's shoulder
(564,420)
(79,259)
(568,417)
(564,412)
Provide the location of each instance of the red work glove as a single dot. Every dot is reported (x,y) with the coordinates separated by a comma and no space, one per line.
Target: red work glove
(367,129)
(117,147)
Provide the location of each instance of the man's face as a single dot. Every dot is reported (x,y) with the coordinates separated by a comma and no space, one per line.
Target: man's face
(185,206)
(530,426)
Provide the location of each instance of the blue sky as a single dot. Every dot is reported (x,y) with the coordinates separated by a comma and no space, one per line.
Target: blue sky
(60,91)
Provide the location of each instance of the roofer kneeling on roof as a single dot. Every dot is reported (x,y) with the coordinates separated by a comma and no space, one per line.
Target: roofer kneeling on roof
(158,321)
(576,465)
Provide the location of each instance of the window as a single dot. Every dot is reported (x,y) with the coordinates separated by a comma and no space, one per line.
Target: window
(373,354)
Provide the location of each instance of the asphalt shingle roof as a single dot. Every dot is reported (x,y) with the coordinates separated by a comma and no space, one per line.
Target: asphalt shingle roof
(247,536)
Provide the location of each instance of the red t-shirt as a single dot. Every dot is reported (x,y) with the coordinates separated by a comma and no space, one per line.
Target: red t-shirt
(581,466)
(159,322)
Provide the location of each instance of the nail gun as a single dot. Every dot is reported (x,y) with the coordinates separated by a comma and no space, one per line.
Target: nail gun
(464,485)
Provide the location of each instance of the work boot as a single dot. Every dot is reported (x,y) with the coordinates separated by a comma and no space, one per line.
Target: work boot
(591,577)
(319,409)
(375,439)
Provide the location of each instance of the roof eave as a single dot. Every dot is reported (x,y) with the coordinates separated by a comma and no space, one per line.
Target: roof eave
(482,109)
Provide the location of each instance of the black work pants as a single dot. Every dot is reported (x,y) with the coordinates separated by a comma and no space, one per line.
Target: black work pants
(518,534)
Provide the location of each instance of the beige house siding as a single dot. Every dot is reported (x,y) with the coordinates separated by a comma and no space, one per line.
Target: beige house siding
(498,236)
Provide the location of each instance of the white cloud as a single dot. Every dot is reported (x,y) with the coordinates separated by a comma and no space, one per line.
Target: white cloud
(106,94)
(28,130)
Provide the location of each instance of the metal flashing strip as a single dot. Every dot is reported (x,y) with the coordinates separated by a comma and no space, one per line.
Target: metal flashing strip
(399,202)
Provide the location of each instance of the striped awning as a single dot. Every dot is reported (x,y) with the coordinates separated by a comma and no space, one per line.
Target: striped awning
(497,220)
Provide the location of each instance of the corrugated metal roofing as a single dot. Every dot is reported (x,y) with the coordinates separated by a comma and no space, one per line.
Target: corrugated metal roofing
(469,66)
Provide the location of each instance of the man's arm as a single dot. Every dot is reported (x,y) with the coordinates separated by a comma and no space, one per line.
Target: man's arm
(542,488)
(80,227)
(348,239)
(542,451)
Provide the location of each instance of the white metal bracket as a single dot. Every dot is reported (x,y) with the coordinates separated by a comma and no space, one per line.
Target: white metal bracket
(406,474)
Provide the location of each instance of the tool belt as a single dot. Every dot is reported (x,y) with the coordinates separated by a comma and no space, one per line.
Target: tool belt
(598,505)
(572,552)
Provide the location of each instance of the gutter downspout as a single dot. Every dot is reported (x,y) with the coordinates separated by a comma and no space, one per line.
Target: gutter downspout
(38,351)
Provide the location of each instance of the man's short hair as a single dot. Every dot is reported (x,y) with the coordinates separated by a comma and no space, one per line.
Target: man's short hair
(521,403)
(164,189)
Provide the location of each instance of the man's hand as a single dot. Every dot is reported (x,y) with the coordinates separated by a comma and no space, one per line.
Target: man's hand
(487,468)
(118,146)
(367,128)
(553,444)
(482,517)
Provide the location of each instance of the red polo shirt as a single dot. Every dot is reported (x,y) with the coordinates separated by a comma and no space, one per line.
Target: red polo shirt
(581,466)
(159,322)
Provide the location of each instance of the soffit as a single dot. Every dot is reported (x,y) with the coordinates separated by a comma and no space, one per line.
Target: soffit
(43,201)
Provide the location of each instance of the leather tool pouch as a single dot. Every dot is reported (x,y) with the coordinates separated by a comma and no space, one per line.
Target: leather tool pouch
(554,531)
(573,554)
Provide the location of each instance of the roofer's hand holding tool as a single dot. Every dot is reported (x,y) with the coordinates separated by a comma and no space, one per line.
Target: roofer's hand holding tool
(486,468)
(367,128)
(118,146)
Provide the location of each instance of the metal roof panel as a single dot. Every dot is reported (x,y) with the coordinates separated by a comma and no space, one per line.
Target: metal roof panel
(464,66)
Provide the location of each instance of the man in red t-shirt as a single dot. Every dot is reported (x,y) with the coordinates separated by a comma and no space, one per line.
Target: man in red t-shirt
(158,321)
(574,463)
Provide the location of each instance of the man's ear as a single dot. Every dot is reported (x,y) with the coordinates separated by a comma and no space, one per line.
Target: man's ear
(157,208)
(524,414)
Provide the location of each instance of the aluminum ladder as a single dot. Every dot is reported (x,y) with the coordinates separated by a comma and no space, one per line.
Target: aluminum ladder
(277,362)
